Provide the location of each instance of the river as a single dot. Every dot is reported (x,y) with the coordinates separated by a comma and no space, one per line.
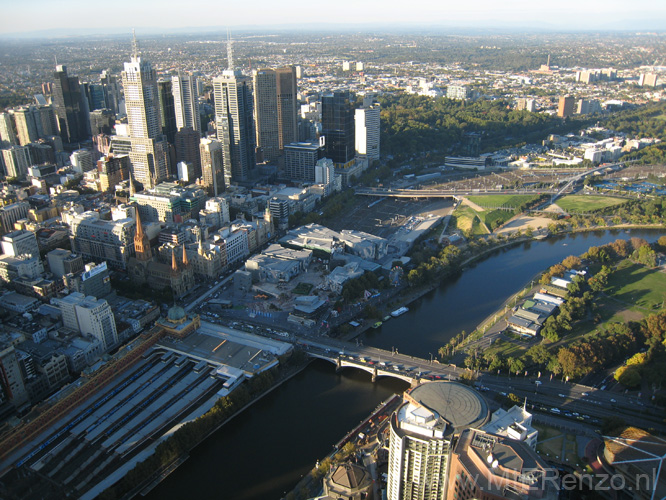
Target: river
(264,451)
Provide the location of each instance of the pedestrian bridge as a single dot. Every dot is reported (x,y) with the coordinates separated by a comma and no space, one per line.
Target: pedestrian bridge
(375,370)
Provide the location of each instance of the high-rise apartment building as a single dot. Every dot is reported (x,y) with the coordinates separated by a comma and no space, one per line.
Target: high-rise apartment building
(186,101)
(565,106)
(26,129)
(17,160)
(149,154)
(337,116)
(367,123)
(234,120)
(212,166)
(67,100)
(7,134)
(82,160)
(422,431)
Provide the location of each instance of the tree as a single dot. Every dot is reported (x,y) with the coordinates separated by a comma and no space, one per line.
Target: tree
(572,262)
(539,354)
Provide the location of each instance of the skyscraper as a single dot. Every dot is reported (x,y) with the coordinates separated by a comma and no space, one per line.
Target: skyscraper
(366,120)
(17,161)
(266,110)
(187,149)
(212,166)
(337,116)
(422,431)
(287,93)
(234,121)
(276,104)
(167,109)
(67,101)
(7,135)
(186,101)
(112,95)
(149,154)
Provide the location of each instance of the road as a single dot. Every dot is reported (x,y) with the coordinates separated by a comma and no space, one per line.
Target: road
(583,403)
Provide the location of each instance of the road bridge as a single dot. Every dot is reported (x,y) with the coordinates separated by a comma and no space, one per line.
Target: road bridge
(372,367)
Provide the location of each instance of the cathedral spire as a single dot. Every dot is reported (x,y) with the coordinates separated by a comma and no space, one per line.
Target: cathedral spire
(185,262)
(174,264)
(141,241)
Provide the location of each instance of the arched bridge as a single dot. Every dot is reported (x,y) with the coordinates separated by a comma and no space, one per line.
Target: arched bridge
(375,369)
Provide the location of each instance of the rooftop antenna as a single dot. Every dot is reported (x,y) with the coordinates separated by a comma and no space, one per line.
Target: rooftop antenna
(230,52)
(135,46)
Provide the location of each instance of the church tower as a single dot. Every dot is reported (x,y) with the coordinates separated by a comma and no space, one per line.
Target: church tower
(141,242)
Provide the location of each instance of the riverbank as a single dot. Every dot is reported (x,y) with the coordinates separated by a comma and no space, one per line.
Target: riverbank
(159,475)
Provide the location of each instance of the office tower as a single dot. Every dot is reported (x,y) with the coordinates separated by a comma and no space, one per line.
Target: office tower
(7,135)
(167,109)
(287,93)
(102,121)
(186,101)
(212,166)
(17,160)
(20,243)
(234,121)
(102,240)
(337,116)
(324,171)
(366,121)
(45,120)
(565,106)
(67,103)
(12,384)
(422,431)
(82,160)
(300,159)
(90,316)
(9,214)
(63,262)
(41,152)
(187,149)
(266,110)
(149,154)
(276,108)
(112,94)
(113,169)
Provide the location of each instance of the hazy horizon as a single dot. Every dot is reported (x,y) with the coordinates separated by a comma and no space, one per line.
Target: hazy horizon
(75,17)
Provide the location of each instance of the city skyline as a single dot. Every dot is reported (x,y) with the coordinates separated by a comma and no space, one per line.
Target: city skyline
(512,14)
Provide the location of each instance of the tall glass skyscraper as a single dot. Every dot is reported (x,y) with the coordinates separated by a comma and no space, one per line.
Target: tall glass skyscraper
(337,120)
(67,100)
(234,120)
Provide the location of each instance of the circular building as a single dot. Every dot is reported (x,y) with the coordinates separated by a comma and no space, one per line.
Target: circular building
(421,433)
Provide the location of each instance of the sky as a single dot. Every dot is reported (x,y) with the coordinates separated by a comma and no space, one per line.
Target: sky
(18,16)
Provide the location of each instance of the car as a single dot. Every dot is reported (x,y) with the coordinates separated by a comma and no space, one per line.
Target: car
(503,393)
(562,395)
(584,394)
(613,401)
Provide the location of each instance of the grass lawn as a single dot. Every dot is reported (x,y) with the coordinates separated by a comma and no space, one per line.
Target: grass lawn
(587,203)
(639,288)
(551,448)
(501,200)
(467,219)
